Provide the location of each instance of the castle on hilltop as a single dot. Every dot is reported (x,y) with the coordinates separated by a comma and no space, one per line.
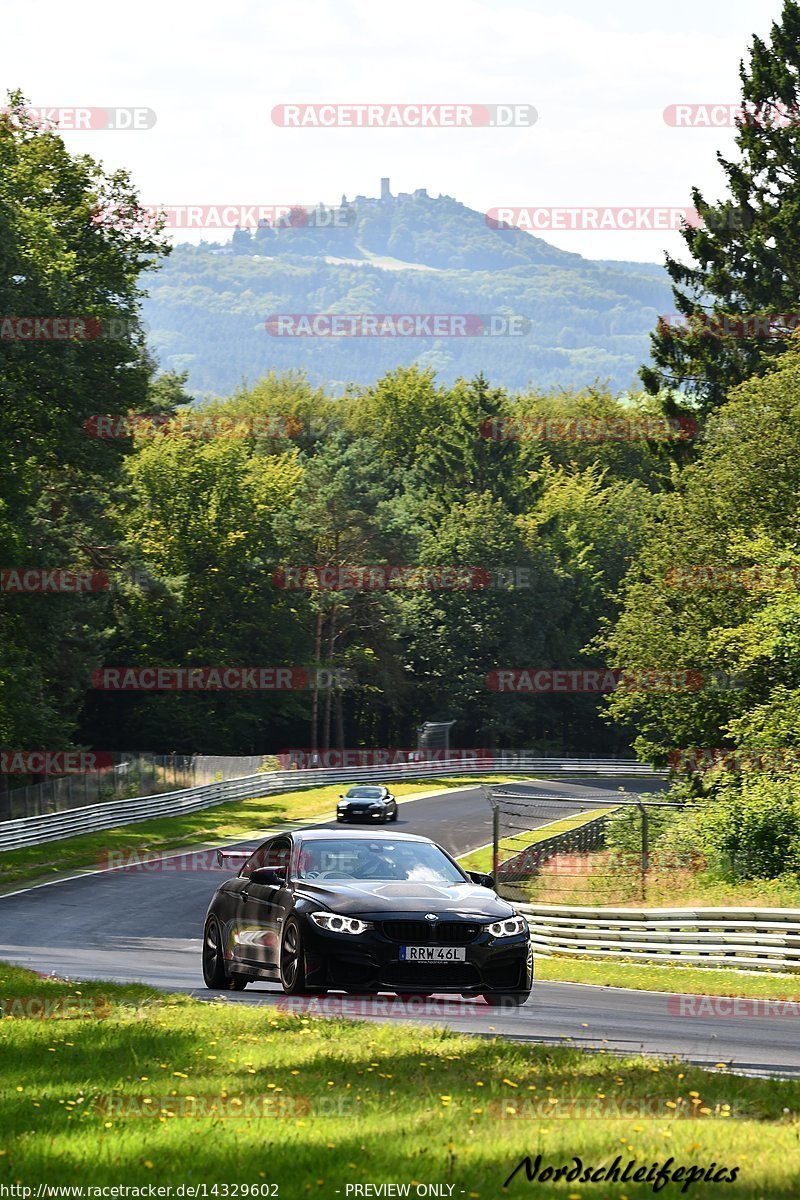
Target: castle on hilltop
(386,196)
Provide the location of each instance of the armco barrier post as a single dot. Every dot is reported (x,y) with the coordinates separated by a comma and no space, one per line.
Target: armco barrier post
(645,846)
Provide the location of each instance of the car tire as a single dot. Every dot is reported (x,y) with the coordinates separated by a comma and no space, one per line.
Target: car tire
(394,815)
(514,999)
(215,974)
(506,999)
(292,963)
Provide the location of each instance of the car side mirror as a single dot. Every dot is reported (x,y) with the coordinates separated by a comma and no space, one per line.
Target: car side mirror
(268,876)
(482,878)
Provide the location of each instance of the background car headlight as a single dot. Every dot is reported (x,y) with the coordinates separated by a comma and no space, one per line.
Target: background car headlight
(335,923)
(509,928)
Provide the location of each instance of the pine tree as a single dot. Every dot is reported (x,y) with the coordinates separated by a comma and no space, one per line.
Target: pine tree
(737,296)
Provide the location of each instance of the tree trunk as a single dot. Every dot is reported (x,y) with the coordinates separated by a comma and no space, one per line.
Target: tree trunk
(326,725)
(315,682)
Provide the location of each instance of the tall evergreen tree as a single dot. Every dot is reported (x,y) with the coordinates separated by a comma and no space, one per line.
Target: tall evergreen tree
(746,250)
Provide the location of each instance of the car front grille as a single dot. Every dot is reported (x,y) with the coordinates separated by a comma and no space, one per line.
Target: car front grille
(436,933)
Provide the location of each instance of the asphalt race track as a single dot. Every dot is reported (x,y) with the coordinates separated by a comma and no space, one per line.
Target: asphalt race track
(145,924)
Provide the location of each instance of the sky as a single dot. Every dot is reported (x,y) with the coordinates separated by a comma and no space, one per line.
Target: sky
(598,75)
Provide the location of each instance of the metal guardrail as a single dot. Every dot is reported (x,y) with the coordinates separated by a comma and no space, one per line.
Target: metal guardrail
(51,827)
(744,938)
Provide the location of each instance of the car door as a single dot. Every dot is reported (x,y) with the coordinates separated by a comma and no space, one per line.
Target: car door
(263,907)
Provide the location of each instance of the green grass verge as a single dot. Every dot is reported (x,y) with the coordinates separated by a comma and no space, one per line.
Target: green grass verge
(481,859)
(326,1103)
(649,977)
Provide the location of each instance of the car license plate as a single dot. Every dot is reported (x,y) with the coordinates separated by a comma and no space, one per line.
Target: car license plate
(434,954)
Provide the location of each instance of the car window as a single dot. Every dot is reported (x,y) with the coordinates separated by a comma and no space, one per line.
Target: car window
(274,853)
(368,859)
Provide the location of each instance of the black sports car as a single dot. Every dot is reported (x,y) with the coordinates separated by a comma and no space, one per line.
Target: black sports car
(367,802)
(364,912)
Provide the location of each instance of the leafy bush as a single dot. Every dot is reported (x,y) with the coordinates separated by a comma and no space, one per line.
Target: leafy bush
(750,829)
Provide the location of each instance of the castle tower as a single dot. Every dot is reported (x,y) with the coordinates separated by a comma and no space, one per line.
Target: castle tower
(385,193)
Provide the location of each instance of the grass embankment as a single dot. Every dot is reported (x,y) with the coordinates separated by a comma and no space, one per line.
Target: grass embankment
(237,821)
(481,859)
(323,1103)
(602,878)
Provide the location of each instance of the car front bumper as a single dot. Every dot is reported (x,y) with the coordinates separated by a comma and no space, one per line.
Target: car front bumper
(361,814)
(371,962)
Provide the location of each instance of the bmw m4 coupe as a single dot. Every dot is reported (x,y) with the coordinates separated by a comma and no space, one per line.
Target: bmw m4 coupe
(367,802)
(364,912)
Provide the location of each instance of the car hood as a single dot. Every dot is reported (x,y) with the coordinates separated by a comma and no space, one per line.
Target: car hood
(387,898)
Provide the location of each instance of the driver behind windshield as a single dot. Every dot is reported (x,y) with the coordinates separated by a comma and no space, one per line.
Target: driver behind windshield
(360,860)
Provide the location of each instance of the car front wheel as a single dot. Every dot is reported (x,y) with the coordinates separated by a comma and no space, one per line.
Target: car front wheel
(292,959)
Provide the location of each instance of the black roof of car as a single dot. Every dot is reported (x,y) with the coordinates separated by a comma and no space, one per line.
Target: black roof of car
(348,835)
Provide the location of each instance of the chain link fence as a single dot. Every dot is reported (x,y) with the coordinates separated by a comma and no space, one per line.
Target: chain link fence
(135,775)
(550,849)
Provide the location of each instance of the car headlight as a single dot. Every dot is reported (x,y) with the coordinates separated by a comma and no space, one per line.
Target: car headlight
(509,928)
(343,804)
(335,923)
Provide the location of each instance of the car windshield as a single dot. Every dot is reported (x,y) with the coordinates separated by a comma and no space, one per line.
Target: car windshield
(365,793)
(363,858)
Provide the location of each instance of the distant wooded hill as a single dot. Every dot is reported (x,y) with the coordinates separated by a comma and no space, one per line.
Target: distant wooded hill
(208,304)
